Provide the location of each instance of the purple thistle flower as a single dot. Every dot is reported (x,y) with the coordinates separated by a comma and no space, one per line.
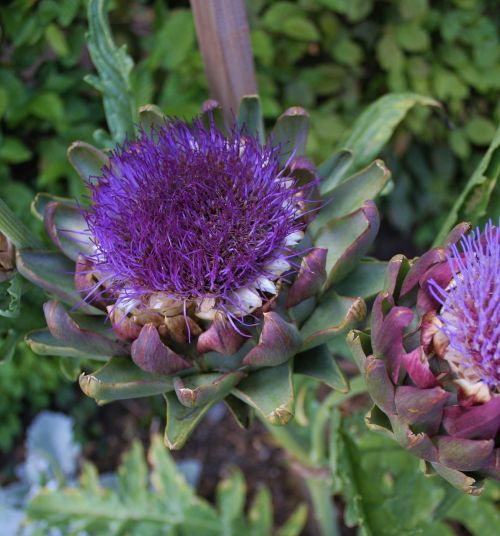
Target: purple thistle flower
(185,216)
(470,312)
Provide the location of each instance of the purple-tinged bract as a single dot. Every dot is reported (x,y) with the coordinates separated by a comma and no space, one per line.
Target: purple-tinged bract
(470,313)
(196,215)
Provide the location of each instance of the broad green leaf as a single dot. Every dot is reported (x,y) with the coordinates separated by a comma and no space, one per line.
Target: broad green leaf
(377,123)
(472,203)
(113,66)
(269,391)
(120,379)
(319,363)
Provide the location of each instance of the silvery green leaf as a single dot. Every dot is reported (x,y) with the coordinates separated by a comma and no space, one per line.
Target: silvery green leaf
(51,449)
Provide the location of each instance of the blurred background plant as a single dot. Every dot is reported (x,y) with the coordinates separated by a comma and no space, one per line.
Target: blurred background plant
(331,56)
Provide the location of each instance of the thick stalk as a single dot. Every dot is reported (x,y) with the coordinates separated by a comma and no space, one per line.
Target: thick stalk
(224,41)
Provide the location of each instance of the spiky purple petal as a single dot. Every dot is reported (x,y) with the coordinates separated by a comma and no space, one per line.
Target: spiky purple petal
(470,311)
(193,214)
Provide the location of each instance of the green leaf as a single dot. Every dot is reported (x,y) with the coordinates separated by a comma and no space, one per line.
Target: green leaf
(299,28)
(57,40)
(175,41)
(150,116)
(8,346)
(133,476)
(200,389)
(351,194)
(250,116)
(347,240)
(334,169)
(52,272)
(472,203)
(10,297)
(87,160)
(366,280)
(171,507)
(377,123)
(13,151)
(260,515)
(269,391)
(42,342)
(14,229)
(230,494)
(334,316)
(113,66)
(319,363)
(295,523)
(412,37)
(290,132)
(181,421)
(120,379)
(480,130)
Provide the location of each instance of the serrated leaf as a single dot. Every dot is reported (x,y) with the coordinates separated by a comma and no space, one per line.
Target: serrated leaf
(377,123)
(113,66)
(482,182)
(10,297)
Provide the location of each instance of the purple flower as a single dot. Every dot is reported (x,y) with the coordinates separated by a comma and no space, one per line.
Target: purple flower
(187,218)
(470,312)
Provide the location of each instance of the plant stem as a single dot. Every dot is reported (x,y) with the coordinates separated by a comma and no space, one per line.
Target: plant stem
(357,386)
(224,41)
(325,513)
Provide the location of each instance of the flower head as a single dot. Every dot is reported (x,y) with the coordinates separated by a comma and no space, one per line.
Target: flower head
(187,217)
(470,312)
(432,359)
